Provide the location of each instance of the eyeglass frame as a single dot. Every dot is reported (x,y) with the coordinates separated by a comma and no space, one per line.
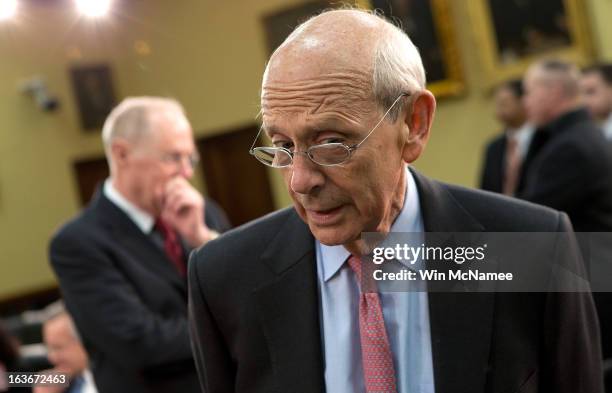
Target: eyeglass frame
(177,159)
(306,152)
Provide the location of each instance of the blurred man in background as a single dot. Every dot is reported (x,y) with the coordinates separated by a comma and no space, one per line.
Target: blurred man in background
(67,355)
(572,170)
(596,88)
(505,155)
(121,263)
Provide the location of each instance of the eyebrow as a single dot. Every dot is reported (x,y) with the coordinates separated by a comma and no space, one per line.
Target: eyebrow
(325,124)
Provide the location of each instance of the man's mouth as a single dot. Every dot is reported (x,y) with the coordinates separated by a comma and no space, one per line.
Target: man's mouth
(324,216)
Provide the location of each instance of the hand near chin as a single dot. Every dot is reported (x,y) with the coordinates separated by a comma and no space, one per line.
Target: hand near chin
(183,209)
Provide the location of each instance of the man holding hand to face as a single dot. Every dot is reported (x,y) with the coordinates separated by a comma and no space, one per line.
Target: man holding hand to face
(121,263)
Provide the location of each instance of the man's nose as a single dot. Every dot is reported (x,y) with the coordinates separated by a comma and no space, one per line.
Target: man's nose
(186,169)
(306,176)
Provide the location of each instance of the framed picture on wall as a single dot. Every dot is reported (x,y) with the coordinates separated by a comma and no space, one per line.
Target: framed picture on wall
(279,24)
(94,94)
(430,26)
(511,34)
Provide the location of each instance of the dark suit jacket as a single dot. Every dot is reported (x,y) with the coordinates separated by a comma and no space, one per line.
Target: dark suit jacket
(254,310)
(572,172)
(492,173)
(128,301)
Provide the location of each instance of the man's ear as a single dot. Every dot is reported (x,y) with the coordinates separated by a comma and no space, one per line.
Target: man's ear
(119,150)
(418,123)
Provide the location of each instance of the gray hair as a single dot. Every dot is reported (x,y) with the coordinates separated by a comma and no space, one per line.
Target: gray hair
(57,311)
(397,64)
(563,73)
(398,68)
(131,119)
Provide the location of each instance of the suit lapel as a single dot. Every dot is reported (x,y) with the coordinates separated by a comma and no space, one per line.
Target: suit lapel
(460,322)
(289,309)
(125,233)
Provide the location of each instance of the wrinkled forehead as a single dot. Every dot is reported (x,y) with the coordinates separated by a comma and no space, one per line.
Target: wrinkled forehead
(337,98)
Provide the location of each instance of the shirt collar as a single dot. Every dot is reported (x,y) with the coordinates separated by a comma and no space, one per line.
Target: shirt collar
(607,126)
(141,218)
(408,220)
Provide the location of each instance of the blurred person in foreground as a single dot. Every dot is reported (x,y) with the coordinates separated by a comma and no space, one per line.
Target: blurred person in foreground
(67,355)
(505,155)
(121,263)
(596,89)
(9,355)
(345,105)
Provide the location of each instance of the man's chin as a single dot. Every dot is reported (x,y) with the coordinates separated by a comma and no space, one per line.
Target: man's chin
(332,236)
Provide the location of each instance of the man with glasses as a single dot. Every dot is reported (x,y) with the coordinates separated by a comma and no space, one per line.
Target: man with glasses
(121,263)
(277,305)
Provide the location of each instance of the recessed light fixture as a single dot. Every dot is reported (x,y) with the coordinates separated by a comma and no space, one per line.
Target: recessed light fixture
(93,8)
(8,9)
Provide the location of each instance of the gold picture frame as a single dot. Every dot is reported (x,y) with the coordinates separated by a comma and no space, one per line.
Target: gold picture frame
(572,41)
(439,30)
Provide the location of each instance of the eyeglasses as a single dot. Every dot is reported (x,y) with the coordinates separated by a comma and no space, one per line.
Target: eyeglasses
(178,159)
(326,154)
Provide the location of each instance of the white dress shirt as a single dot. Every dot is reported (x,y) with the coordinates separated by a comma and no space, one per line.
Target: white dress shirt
(607,127)
(141,218)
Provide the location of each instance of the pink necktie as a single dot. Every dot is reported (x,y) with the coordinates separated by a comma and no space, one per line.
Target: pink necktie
(378,370)
(513,166)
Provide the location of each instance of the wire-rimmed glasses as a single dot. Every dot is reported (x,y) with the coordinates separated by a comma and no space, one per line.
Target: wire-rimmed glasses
(326,154)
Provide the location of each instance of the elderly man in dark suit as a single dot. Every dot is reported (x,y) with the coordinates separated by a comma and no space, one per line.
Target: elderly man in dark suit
(277,305)
(121,263)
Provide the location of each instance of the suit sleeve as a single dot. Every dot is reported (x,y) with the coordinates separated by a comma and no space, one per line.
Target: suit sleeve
(571,330)
(213,361)
(109,313)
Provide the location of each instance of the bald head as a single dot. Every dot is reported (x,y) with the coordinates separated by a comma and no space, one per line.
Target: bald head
(335,41)
(551,89)
(370,57)
(557,74)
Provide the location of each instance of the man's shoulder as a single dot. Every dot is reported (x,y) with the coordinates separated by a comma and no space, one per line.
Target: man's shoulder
(584,143)
(238,252)
(263,227)
(77,229)
(252,235)
(500,213)
(495,143)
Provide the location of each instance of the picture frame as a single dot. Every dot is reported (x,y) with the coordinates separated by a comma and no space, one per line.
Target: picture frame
(94,93)
(540,29)
(430,25)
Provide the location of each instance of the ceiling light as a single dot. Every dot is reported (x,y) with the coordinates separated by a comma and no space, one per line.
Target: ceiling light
(8,9)
(93,8)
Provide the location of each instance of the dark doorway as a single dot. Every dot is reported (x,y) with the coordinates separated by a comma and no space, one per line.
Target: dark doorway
(89,172)
(233,178)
